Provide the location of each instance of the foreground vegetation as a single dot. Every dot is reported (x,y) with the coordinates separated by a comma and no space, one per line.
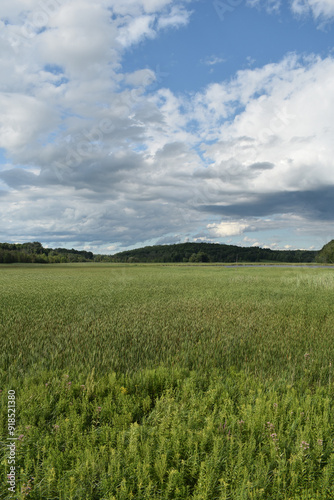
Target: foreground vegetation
(165,382)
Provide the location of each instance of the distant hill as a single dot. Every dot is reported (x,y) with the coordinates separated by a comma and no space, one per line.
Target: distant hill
(326,254)
(212,252)
(180,252)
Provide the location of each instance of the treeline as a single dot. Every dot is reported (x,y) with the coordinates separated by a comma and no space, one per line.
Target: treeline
(326,254)
(212,252)
(181,252)
(36,253)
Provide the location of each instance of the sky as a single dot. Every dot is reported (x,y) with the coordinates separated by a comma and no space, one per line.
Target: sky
(126,123)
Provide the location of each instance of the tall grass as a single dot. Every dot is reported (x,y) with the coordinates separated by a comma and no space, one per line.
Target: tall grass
(168,382)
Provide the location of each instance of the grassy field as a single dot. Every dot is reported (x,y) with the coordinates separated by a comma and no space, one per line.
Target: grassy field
(168,382)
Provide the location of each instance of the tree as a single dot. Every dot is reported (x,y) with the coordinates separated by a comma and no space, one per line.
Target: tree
(193,258)
(199,257)
(326,254)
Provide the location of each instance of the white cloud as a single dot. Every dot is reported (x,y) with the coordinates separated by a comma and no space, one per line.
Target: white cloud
(134,7)
(136,30)
(142,77)
(283,134)
(213,60)
(22,117)
(270,5)
(224,229)
(321,9)
(177,17)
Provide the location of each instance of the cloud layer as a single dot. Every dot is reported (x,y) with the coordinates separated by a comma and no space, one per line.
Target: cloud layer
(105,158)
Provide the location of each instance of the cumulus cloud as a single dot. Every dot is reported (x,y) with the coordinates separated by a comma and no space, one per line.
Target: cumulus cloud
(321,9)
(224,229)
(178,16)
(136,30)
(22,118)
(276,127)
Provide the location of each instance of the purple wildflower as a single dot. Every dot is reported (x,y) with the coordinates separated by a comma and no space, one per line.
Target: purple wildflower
(304,445)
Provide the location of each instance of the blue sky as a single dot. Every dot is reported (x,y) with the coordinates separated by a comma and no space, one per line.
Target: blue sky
(246,37)
(128,123)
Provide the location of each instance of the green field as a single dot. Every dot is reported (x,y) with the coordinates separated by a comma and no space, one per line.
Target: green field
(168,382)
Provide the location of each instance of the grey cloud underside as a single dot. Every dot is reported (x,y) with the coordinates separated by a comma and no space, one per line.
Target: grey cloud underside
(316,204)
(17,178)
(121,221)
(262,166)
(97,177)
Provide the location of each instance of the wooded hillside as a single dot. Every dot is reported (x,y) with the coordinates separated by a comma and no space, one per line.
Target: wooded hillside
(181,252)
(212,252)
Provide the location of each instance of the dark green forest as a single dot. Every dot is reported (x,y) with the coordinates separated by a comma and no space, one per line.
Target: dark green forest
(181,252)
(326,254)
(212,252)
(36,253)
